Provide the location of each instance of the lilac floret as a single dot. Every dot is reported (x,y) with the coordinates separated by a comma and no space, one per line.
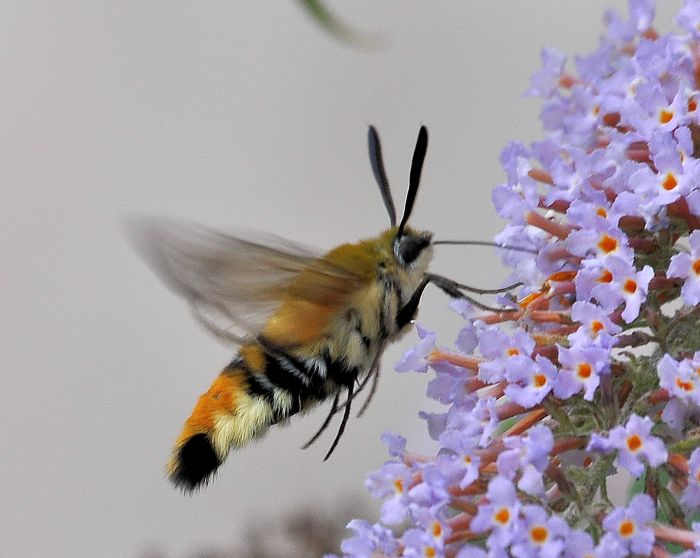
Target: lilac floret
(630,525)
(500,514)
(582,366)
(627,286)
(416,359)
(368,539)
(391,483)
(596,327)
(539,535)
(529,381)
(689,18)
(634,442)
(687,266)
(691,494)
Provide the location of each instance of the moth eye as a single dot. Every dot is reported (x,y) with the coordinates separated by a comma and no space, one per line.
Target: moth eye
(410,247)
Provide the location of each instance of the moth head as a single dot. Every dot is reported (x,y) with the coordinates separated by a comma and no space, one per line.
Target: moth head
(410,245)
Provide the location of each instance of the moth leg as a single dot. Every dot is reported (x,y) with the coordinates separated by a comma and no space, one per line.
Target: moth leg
(408,312)
(341,428)
(454,289)
(333,411)
(374,373)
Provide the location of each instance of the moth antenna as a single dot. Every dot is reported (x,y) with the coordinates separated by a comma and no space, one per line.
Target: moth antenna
(485,243)
(414,179)
(341,428)
(375,159)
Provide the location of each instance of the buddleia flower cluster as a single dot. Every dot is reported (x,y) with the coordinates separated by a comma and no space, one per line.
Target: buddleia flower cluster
(592,366)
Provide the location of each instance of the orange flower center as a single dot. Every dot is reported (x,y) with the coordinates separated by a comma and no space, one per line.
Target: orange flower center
(512,352)
(430,552)
(670,182)
(502,516)
(437,530)
(539,380)
(605,276)
(665,116)
(597,327)
(601,212)
(539,534)
(692,105)
(696,267)
(634,442)
(607,244)
(584,370)
(685,386)
(630,286)
(626,528)
(398,485)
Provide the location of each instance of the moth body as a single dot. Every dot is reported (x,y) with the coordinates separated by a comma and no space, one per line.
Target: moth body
(314,326)
(307,353)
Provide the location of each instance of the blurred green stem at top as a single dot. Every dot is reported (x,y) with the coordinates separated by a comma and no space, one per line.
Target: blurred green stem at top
(332,24)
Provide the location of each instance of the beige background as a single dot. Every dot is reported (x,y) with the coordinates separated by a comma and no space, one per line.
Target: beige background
(239,115)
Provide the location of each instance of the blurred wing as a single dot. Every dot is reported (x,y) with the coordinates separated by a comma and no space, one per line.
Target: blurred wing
(230,281)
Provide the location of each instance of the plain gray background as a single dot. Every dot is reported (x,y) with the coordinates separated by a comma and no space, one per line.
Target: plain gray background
(240,115)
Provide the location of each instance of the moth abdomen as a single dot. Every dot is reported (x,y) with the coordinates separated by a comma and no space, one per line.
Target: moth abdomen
(261,387)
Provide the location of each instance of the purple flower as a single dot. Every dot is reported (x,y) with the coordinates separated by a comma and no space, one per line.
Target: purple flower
(431,495)
(419,544)
(417,359)
(500,514)
(468,336)
(529,380)
(545,82)
(477,422)
(691,494)
(653,111)
(633,442)
(671,180)
(689,18)
(395,443)
(581,369)
(679,379)
(596,326)
(630,526)
(539,535)
(529,454)
(628,286)
(579,544)
(462,465)
(471,551)
(498,346)
(448,385)
(601,242)
(368,539)
(687,266)
(391,483)
(586,213)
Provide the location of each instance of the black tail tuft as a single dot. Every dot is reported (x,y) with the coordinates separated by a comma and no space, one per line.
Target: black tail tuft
(196,462)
